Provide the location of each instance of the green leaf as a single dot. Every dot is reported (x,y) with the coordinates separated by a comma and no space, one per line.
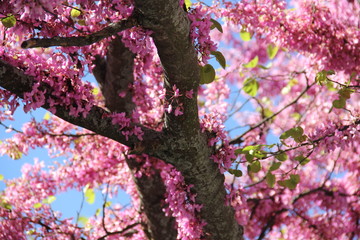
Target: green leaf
(239,151)
(253,63)
(321,77)
(97,212)
(251,86)
(270,180)
(49,200)
(220,58)
(207,74)
(272,51)
(340,103)
(251,147)
(6,205)
(255,166)
(245,36)
(295,178)
(346,92)
(89,194)
(275,166)
(216,25)
(235,172)
(1,177)
(37,205)
(249,157)
(188,4)
(75,12)
(296,133)
(281,157)
(302,160)
(83,220)
(47,116)
(8,21)
(108,204)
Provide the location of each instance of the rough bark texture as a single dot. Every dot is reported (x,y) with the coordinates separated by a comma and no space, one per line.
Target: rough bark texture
(114,76)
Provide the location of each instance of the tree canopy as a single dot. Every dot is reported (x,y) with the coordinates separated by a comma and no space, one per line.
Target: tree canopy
(221,120)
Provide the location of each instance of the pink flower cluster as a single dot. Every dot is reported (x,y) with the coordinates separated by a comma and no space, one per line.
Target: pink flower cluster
(181,203)
(212,124)
(199,32)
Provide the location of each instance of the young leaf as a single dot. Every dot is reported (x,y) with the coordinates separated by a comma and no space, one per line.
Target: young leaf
(49,200)
(253,63)
(83,220)
(89,194)
(207,74)
(251,86)
(37,205)
(216,25)
(188,4)
(219,58)
(270,180)
(1,177)
(245,36)
(47,116)
(74,13)
(8,21)
(272,51)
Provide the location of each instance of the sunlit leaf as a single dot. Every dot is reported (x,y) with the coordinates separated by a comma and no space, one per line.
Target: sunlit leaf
(47,116)
(49,200)
(37,205)
(74,13)
(83,220)
(245,36)
(251,86)
(1,177)
(188,4)
(89,194)
(272,51)
(252,63)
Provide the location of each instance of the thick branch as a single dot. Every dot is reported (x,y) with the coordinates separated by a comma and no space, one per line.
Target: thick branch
(15,81)
(114,76)
(108,31)
(171,29)
(186,146)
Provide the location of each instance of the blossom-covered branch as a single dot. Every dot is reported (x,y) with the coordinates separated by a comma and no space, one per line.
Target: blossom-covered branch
(108,31)
(15,81)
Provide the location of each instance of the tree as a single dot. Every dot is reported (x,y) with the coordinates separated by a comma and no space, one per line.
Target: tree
(155,124)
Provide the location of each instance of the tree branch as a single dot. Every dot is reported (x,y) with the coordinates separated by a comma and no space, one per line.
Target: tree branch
(108,31)
(114,75)
(15,81)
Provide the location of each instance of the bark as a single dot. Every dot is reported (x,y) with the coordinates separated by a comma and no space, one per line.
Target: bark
(115,75)
(186,147)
